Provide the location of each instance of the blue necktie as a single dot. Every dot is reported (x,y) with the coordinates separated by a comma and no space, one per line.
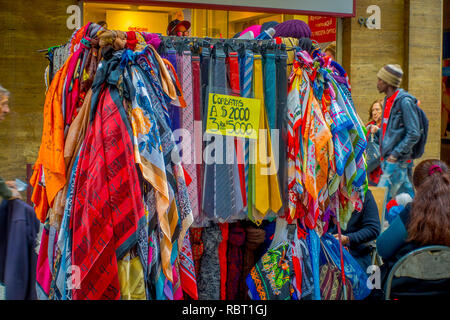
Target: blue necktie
(246,84)
(270,88)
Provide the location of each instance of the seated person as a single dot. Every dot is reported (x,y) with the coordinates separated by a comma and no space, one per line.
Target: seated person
(424,222)
(362,228)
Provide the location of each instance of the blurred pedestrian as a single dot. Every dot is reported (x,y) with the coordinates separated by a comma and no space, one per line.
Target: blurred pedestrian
(399,132)
(8,189)
(330,50)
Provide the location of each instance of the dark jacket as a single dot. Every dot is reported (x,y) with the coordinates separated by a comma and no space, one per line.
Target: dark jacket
(362,227)
(18,230)
(403,128)
(392,244)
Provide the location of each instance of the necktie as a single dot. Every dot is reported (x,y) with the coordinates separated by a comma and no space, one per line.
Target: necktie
(270,88)
(224,180)
(208,279)
(281,64)
(174,110)
(246,84)
(209,170)
(236,239)
(238,163)
(204,78)
(187,116)
(267,192)
(198,140)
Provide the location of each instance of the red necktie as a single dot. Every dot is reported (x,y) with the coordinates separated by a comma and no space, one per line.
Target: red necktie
(196,87)
(234,84)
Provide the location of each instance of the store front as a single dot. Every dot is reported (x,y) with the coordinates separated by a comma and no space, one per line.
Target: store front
(214,21)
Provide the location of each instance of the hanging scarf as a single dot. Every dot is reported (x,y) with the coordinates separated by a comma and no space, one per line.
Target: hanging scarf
(108,210)
(72,144)
(50,162)
(187,269)
(270,277)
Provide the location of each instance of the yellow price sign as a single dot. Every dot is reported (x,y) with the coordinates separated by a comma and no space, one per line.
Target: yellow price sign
(233,116)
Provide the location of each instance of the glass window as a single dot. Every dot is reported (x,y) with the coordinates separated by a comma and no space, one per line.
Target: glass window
(204,22)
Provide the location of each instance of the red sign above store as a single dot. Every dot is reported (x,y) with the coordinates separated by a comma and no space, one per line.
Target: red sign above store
(341,8)
(323,29)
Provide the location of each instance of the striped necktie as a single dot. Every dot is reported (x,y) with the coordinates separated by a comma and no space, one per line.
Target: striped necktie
(198,133)
(224,181)
(237,166)
(246,84)
(187,123)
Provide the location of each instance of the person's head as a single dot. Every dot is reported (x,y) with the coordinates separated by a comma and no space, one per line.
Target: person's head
(4,102)
(178,28)
(375,111)
(293,29)
(429,222)
(330,50)
(389,78)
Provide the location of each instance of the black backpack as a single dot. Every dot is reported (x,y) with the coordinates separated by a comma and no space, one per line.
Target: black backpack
(419,148)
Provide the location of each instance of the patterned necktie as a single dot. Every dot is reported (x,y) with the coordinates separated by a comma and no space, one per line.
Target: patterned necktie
(174,110)
(187,117)
(224,182)
(246,85)
(198,141)
(237,166)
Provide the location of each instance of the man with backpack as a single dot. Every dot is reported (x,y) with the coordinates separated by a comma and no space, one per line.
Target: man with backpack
(403,132)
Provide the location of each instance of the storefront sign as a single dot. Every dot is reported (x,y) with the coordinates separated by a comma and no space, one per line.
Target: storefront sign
(323,29)
(341,8)
(233,116)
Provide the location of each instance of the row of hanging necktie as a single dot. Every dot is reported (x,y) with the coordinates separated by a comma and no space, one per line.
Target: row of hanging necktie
(239,186)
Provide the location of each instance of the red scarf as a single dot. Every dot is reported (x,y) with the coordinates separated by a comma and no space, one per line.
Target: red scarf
(387,113)
(107,205)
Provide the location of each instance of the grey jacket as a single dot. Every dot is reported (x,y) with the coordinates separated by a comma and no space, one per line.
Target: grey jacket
(403,128)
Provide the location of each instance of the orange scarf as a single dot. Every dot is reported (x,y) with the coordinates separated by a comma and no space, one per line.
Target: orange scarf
(51,152)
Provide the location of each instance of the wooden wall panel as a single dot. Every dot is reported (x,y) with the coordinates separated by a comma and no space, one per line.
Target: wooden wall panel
(370,49)
(27,26)
(411,36)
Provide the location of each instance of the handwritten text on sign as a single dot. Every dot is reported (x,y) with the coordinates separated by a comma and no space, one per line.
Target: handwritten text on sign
(233,116)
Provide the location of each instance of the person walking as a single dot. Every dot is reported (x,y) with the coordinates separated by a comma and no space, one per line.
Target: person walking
(399,132)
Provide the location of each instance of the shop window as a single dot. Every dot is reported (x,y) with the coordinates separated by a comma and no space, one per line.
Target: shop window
(204,22)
